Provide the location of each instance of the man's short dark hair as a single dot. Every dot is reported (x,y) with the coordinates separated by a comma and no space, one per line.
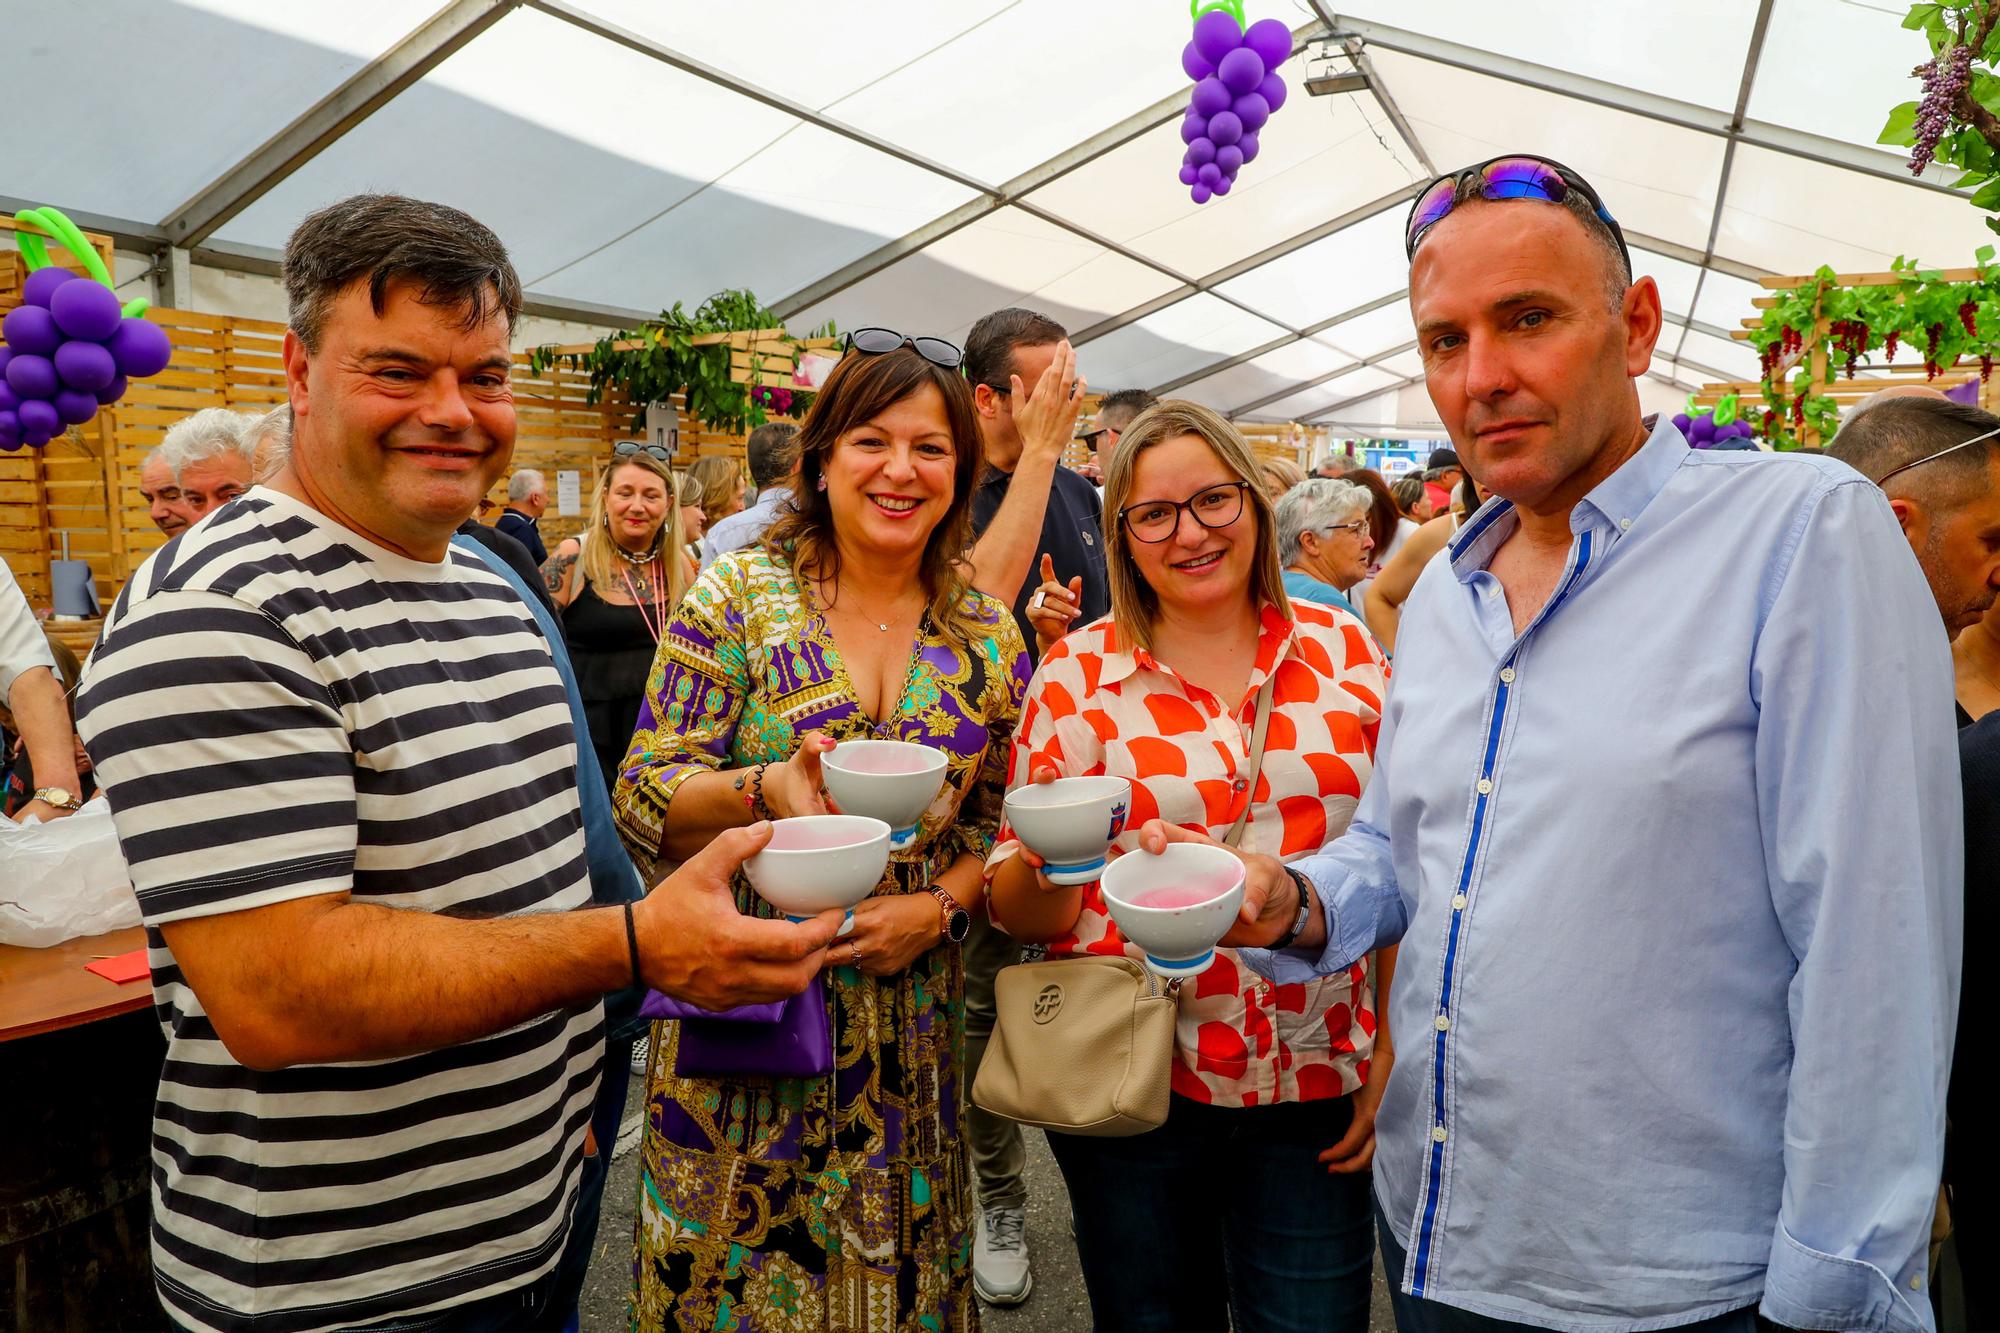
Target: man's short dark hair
(1882,435)
(989,348)
(456,260)
(772,449)
(1118,409)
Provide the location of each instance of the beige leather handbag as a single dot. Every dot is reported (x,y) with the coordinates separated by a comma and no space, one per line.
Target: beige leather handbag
(1085,1045)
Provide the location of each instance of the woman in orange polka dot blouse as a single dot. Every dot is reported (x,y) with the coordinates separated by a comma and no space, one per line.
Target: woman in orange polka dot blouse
(1250,1204)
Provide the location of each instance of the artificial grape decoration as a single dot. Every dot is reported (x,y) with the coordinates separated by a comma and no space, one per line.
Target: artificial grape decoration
(1719,427)
(70,347)
(1237,87)
(1944,79)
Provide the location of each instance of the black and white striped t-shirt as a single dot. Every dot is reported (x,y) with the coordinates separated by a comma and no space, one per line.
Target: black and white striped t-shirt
(278,709)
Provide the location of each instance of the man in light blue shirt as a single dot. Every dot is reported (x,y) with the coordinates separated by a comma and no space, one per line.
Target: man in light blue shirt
(1665,817)
(772,452)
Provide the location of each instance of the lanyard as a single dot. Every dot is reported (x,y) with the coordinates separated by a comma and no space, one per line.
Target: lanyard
(656,630)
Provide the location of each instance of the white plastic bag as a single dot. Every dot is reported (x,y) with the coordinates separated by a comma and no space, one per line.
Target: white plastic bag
(63,879)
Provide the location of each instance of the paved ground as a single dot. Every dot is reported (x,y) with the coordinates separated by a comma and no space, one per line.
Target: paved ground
(1057,1306)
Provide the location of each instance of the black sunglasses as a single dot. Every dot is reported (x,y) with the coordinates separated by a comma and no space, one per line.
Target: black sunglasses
(880,342)
(627,448)
(1511,176)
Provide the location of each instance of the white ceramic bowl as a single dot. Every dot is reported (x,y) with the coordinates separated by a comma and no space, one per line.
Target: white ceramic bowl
(814,862)
(1070,822)
(893,781)
(1178,937)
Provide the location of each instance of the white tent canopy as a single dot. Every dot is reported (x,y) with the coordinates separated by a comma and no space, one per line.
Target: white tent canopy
(916,165)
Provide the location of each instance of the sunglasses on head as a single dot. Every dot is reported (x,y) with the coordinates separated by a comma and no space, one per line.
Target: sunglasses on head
(1515,176)
(880,342)
(627,448)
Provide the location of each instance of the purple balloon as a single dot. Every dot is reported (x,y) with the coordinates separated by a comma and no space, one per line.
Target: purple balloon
(35,439)
(111,392)
(1188,173)
(140,348)
(1702,431)
(1197,65)
(10,431)
(1210,97)
(1230,159)
(31,331)
(6,355)
(1271,40)
(75,406)
(1273,91)
(1224,128)
(1201,152)
(39,418)
(1193,127)
(86,310)
(1252,110)
(1216,35)
(9,400)
(1222,186)
(85,365)
(1247,145)
(1208,174)
(33,376)
(41,285)
(1240,71)
(1682,421)
(1200,193)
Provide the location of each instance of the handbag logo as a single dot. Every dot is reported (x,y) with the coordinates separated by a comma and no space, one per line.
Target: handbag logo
(1049,1003)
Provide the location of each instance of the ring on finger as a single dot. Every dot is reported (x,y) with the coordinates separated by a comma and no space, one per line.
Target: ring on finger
(1035,602)
(854,953)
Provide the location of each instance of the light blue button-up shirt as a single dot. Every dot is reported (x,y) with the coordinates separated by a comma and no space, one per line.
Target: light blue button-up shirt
(1677,877)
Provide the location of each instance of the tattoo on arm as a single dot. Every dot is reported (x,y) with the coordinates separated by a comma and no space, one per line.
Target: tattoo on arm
(555,574)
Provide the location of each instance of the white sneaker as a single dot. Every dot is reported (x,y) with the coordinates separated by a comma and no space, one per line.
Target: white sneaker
(1000,1271)
(642,1054)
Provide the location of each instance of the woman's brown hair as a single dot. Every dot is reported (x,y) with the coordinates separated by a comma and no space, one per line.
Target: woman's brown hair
(859,389)
(1383,513)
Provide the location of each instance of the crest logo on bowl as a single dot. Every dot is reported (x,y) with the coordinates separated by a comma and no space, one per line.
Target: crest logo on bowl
(1049,1003)
(1117,822)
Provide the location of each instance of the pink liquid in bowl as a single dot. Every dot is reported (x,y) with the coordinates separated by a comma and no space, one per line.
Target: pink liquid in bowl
(1184,895)
(884,761)
(788,837)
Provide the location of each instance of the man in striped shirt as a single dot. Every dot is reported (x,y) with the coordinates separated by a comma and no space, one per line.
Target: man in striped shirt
(342,767)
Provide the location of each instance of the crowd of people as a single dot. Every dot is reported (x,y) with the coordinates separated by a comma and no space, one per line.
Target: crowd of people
(1650,855)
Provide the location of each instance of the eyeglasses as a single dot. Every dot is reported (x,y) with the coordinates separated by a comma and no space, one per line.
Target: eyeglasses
(1156,520)
(1090,437)
(1931,458)
(1514,176)
(1358,525)
(627,448)
(880,342)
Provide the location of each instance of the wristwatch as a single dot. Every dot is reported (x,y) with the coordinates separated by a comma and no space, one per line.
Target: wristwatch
(957,921)
(59,797)
(1298,926)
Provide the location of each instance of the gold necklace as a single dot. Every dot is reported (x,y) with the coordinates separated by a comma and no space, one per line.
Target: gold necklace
(882,625)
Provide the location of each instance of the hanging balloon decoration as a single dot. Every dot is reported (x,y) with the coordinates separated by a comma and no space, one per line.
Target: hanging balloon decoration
(1236,89)
(1720,427)
(69,347)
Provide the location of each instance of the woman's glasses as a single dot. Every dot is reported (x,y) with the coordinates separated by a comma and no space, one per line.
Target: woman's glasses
(1156,520)
(1358,525)
(627,448)
(880,342)
(1515,176)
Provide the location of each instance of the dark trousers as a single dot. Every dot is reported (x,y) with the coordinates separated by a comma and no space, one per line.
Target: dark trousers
(605,1113)
(1222,1218)
(1415,1315)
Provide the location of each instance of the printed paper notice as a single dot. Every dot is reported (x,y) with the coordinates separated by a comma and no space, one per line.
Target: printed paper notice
(569,494)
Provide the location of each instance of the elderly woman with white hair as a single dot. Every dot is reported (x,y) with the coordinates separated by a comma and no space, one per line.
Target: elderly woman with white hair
(1323,540)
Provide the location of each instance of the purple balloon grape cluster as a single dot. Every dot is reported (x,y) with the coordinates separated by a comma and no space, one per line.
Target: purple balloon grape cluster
(69,350)
(1236,88)
(1703,433)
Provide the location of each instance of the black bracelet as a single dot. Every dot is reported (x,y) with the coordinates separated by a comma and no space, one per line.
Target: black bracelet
(632,942)
(1298,926)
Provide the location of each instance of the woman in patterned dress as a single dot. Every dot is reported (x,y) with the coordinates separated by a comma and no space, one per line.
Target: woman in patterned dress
(1249,1208)
(839,1202)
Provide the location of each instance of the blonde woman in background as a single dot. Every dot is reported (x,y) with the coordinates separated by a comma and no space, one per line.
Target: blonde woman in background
(716,484)
(616,588)
(1278,475)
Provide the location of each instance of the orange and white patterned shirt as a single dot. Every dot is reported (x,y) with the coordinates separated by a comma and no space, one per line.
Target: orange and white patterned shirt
(1093,708)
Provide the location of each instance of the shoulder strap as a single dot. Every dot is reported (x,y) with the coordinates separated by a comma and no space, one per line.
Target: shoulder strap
(1255,766)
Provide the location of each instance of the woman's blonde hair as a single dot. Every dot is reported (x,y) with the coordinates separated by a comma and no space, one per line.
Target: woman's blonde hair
(712,480)
(1279,475)
(601,564)
(1133,602)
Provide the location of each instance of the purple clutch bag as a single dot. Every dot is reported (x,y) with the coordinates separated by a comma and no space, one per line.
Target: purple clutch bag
(785,1039)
